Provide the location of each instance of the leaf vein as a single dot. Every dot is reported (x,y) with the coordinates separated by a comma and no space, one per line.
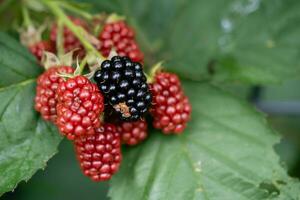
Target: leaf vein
(151,177)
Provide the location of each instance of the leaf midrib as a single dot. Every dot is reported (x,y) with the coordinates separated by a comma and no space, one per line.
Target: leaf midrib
(20,84)
(153,169)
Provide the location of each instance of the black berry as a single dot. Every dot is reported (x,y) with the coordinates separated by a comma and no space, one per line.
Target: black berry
(124,86)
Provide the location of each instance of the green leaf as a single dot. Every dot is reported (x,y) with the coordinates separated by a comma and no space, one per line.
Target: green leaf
(251,41)
(225,153)
(16,63)
(26,141)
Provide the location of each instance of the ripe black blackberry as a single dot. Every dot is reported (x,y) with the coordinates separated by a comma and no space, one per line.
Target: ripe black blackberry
(124,86)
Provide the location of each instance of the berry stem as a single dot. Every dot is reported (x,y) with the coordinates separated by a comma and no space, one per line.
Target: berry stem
(76,30)
(82,64)
(80,67)
(76,10)
(60,38)
(26,17)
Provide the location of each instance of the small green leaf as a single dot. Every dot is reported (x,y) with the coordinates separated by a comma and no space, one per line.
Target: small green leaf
(26,141)
(225,153)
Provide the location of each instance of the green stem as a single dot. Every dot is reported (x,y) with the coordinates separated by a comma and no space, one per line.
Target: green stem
(26,17)
(60,38)
(76,30)
(79,68)
(76,10)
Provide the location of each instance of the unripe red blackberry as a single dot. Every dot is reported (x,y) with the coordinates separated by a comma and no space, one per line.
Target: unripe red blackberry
(38,48)
(121,37)
(47,84)
(133,133)
(99,155)
(70,40)
(171,109)
(124,86)
(79,107)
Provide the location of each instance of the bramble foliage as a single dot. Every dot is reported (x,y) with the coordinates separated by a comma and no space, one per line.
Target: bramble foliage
(227,150)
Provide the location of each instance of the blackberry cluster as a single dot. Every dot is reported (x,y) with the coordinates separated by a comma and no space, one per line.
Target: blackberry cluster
(124,86)
(120,36)
(47,84)
(78,108)
(99,154)
(38,48)
(133,133)
(171,107)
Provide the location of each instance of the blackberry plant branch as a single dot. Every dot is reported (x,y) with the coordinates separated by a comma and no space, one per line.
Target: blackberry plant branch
(76,10)
(60,38)
(55,8)
(26,18)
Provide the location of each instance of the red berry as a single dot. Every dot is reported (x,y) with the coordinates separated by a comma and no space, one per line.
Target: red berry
(79,107)
(99,155)
(70,40)
(47,83)
(121,37)
(171,109)
(133,133)
(37,49)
